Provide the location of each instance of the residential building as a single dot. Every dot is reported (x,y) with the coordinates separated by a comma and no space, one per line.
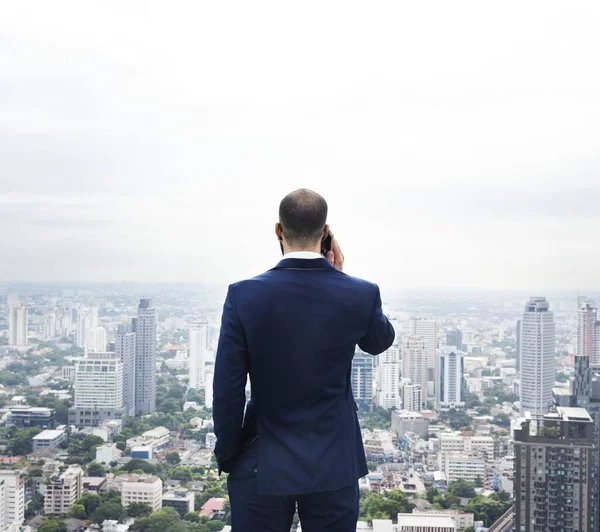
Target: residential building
(213,508)
(96,340)
(180,499)
(427,329)
(456,443)
(14,497)
(208,389)
(146,489)
(462,467)
(588,332)
(412,397)
(94,484)
(107,453)
(125,350)
(68,373)
(83,326)
(404,421)
(388,393)
(538,365)
(362,379)
(518,346)
(554,454)
(422,523)
(198,352)
(32,416)
(454,339)
(211,441)
(461,519)
(48,439)
(98,390)
(145,360)
(414,363)
(63,490)
(3,524)
(157,438)
(18,325)
(451,372)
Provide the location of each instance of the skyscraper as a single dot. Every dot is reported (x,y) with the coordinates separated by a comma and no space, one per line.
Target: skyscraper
(18,324)
(362,379)
(412,397)
(588,334)
(98,390)
(414,363)
(427,329)
(125,351)
(96,340)
(553,471)
(14,503)
(451,371)
(198,349)
(83,326)
(388,395)
(538,364)
(454,338)
(518,346)
(145,360)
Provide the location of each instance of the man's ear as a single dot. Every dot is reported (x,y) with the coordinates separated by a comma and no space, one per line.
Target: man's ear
(278,231)
(325,232)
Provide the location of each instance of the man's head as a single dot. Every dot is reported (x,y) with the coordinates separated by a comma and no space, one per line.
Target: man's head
(302,220)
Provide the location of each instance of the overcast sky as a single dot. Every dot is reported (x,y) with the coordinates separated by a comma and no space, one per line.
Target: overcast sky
(457,143)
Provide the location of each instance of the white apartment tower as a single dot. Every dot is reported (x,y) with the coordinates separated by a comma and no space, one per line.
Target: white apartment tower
(538,364)
(412,397)
(98,390)
(388,395)
(208,389)
(14,498)
(197,359)
(83,326)
(451,371)
(96,340)
(18,323)
(125,351)
(63,490)
(588,334)
(427,329)
(414,363)
(145,360)
(146,489)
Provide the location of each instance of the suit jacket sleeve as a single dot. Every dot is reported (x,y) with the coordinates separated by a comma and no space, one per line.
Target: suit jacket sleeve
(229,385)
(381,334)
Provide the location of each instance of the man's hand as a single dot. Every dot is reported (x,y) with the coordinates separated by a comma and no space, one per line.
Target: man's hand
(335,256)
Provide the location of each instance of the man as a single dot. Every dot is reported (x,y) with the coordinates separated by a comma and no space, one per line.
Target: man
(294,330)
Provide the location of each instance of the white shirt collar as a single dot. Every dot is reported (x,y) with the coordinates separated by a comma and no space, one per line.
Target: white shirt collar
(302,255)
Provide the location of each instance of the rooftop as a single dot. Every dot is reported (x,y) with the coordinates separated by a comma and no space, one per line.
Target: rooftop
(147,479)
(49,435)
(421,520)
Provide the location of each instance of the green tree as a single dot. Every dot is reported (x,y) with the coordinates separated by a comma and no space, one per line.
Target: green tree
(90,501)
(173,458)
(372,466)
(161,521)
(52,525)
(462,489)
(138,509)
(96,470)
(181,473)
(502,420)
(215,525)
(431,494)
(138,463)
(78,511)
(388,506)
(22,442)
(109,510)
(479,482)
(457,419)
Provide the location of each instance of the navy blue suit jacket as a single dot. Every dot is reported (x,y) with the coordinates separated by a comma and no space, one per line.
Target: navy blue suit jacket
(294,330)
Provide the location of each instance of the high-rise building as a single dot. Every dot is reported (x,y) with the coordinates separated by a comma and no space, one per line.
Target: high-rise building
(427,329)
(18,323)
(414,363)
(451,371)
(585,390)
(14,498)
(538,364)
(388,394)
(96,340)
(63,490)
(51,323)
(146,489)
(98,390)
(197,358)
(362,379)
(208,388)
(518,346)
(145,360)
(125,351)
(83,326)
(93,314)
(588,332)
(553,471)
(454,338)
(412,397)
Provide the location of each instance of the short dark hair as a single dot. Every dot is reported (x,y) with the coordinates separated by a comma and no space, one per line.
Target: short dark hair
(303,215)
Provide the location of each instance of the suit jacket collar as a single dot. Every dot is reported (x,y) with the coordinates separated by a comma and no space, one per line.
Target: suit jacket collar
(304,264)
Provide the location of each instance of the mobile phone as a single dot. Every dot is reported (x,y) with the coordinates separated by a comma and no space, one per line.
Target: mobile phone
(326,244)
